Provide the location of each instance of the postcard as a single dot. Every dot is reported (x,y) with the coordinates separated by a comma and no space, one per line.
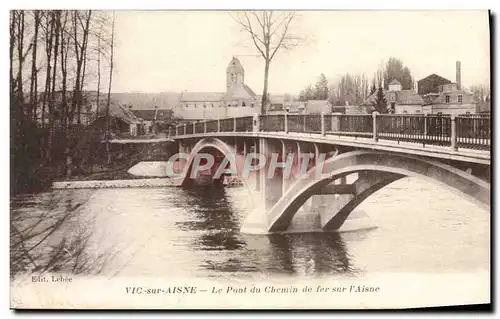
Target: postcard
(249,159)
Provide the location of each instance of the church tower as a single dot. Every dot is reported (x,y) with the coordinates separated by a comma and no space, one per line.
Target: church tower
(235,73)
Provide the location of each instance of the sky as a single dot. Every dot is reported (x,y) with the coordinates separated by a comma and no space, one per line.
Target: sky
(160,51)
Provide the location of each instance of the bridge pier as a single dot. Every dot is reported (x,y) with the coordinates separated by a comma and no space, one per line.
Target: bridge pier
(368,182)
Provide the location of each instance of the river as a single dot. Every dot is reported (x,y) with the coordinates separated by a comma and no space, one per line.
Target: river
(421,227)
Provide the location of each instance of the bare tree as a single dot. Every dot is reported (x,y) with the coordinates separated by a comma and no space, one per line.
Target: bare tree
(64,68)
(80,48)
(269,31)
(49,35)
(379,75)
(52,98)
(350,88)
(99,33)
(481,92)
(34,71)
(13,19)
(112,49)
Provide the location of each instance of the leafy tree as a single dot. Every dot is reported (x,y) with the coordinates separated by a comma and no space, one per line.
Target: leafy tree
(321,88)
(395,70)
(380,103)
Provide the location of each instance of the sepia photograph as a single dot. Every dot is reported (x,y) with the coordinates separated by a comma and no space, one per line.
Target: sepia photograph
(258,159)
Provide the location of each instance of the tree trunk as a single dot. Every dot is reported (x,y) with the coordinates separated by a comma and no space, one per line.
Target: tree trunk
(64,73)
(34,73)
(264,93)
(98,74)
(48,51)
(20,42)
(109,88)
(52,103)
(12,46)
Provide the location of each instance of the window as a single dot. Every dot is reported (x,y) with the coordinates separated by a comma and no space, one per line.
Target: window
(194,104)
(417,111)
(212,105)
(405,112)
(251,105)
(459,99)
(204,106)
(468,113)
(187,105)
(447,99)
(243,104)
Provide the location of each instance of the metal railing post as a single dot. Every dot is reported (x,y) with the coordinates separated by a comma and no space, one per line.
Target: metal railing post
(323,131)
(304,123)
(185,130)
(176,130)
(256,122)
(234,124)
(454,146)
(425,124)
(375,133)
(194,127)
(286,123)
(205,126)
(218,124)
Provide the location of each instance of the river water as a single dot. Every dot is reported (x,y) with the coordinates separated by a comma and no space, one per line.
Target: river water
(174,232)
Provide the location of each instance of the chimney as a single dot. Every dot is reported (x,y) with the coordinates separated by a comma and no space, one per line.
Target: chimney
(458,78)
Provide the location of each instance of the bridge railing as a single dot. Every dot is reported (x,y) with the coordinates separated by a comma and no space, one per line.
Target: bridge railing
(415,128)
(295,123)
(226,125)
(199,127)
(474,132)
(464,131)
(244,124)
(350,125)
(212,126)
(272,123)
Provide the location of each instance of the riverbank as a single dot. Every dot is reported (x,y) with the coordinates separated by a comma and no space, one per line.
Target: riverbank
(127,183)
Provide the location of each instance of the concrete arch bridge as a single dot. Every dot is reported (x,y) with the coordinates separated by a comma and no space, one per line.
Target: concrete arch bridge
(310,172)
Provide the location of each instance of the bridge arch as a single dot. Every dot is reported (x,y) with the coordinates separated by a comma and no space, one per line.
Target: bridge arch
(222,147)
(378,169)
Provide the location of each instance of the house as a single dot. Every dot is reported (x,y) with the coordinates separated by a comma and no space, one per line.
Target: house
(318,107)
(153,118)
(449,97)
(399,101)
(356,109)
(450,100)
(122,122)
(238,99)
(431,84)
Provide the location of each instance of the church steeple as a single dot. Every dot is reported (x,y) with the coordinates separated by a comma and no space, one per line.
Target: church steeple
(235,74)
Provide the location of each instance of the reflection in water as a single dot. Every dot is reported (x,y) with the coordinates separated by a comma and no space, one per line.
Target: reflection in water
(214,217)
(311,253)
(196,232)
(48,234)
(304,253)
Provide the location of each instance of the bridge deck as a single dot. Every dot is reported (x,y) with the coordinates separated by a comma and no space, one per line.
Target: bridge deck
(139,141)
(463,138)
(436,151)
